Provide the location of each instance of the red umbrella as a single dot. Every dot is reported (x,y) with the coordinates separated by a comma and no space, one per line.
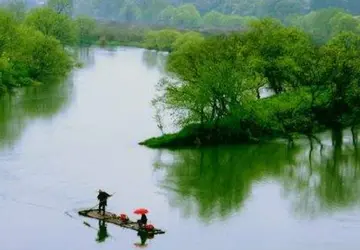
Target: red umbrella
(141,211)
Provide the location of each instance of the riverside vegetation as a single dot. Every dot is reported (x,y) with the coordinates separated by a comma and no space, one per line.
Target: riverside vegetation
(29,54)
(212,86)
(133,22)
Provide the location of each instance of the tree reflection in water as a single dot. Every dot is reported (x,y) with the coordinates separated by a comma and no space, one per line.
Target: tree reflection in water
(27,104)
(154,60)
(215,182)
(218,180)
(325,182)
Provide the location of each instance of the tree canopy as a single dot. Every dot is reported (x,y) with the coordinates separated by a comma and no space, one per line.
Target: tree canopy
(32,47)
(212,86)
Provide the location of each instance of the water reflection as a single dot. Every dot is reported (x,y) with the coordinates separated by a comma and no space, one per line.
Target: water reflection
(218,180)
(325,181)
(85,55)
(46,101)
(12,122)
(19,109)
(215,182)
(144,236)
(154,60)
(102,234)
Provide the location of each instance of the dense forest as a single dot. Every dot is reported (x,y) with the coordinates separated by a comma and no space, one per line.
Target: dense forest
(128,22)
(131,22)
(199,12)
(188,13)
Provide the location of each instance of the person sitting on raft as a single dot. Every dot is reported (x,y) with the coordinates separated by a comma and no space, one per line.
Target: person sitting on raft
(143,221)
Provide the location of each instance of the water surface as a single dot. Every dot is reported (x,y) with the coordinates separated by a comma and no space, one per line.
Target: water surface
(61,142)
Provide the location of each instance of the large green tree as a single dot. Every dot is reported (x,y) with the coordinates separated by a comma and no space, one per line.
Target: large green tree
(87,29)
(341,73)
(28,55)
(50,23)
(277,61)
(208,81)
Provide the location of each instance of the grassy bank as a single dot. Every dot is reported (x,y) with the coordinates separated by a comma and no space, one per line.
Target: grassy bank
(256,122)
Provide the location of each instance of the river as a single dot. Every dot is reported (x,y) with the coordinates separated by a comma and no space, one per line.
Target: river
(60,143)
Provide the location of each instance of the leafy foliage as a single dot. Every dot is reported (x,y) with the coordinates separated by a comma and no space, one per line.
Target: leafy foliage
(191,13)
(50,23)
(28,55)
(87,30)
(212,87)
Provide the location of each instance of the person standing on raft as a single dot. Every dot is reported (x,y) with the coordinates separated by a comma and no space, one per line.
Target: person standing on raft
(102,197)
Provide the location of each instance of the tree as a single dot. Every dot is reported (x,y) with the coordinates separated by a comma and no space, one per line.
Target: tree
(62,6)
(28,55)
(18,8)
(87,28)
(344,22)
(161,40)
(7,30)
(207,81)
(43,56)
(188,37)
(130,12)
(151,9)
(8,44)
(213,18)
(187,16)
(319,24)
(241,7)
(234,21)
(341,63)
(53,24)
(167,16)
(277,61)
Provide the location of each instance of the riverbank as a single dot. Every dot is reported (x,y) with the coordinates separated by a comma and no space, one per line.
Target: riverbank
(252,129)
(256,122)
(159,38)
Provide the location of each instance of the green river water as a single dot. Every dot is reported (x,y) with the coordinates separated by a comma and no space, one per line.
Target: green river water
(60,143)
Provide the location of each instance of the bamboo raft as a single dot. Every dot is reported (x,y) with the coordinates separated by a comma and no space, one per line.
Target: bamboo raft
(114,219)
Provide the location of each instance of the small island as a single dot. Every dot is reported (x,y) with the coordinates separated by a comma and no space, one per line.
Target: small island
(212,87)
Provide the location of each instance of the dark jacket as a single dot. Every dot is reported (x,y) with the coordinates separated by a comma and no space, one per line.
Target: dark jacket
(143,219)
(102,197)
